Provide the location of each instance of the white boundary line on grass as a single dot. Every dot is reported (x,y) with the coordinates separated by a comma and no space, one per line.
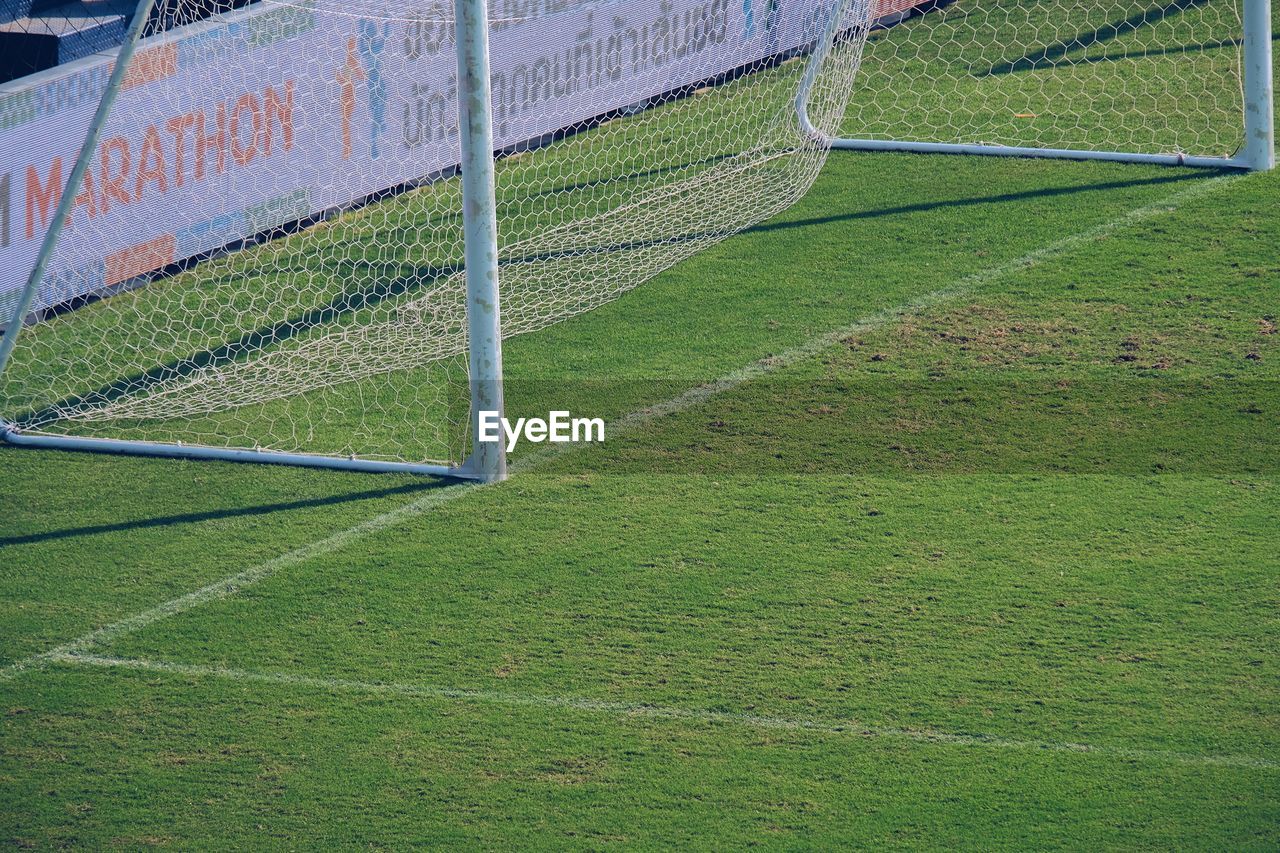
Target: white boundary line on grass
(234,583)
(958,289)
(658,712)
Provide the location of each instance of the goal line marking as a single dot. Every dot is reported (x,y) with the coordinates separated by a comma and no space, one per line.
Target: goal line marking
(644,710)
(232,584)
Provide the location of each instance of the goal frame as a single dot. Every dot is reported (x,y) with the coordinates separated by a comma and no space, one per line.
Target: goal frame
(487,461)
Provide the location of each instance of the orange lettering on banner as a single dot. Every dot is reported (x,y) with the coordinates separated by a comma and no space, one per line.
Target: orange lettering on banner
(45,196)
(153,64)
(216,140)
(244,154)
(348,76)
(139,259)
(254,127)
(86,198)
(151,164)
(112,186)
(281,112)
(179,127)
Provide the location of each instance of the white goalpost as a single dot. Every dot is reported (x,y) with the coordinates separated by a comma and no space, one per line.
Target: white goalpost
(298,231)
(283,236)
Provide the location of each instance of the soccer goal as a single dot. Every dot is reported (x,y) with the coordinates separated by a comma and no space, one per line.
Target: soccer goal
(298,231)
(283,238)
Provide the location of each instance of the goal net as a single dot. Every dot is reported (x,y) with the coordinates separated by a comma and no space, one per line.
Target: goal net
(266,251)
(1138,76)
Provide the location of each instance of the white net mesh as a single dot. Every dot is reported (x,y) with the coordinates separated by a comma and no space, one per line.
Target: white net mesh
(1145,76)
(266,252)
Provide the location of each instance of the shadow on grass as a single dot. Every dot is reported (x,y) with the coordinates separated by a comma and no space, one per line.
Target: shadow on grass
(1124,55)
(339,307)
(1051,55)
(217,514)
(924,207)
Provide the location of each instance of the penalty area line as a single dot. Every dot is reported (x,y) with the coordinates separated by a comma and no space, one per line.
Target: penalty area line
(958,289)
(644,710)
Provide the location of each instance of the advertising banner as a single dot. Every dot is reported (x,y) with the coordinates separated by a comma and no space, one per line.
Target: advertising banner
(228,128)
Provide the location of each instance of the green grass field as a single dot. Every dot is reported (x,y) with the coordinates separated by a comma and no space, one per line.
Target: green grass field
(960,532)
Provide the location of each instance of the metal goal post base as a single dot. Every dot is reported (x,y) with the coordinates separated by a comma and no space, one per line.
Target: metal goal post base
(469,470)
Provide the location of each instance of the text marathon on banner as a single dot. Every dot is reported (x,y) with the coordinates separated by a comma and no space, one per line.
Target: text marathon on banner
(259,149)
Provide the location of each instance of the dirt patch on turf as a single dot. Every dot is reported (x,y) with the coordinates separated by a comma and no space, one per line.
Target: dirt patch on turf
(1074,333)
(577,770)
(978,334)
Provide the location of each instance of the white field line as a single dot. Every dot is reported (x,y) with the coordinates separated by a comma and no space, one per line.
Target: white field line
(851,728)
(958,289)
(232,584)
